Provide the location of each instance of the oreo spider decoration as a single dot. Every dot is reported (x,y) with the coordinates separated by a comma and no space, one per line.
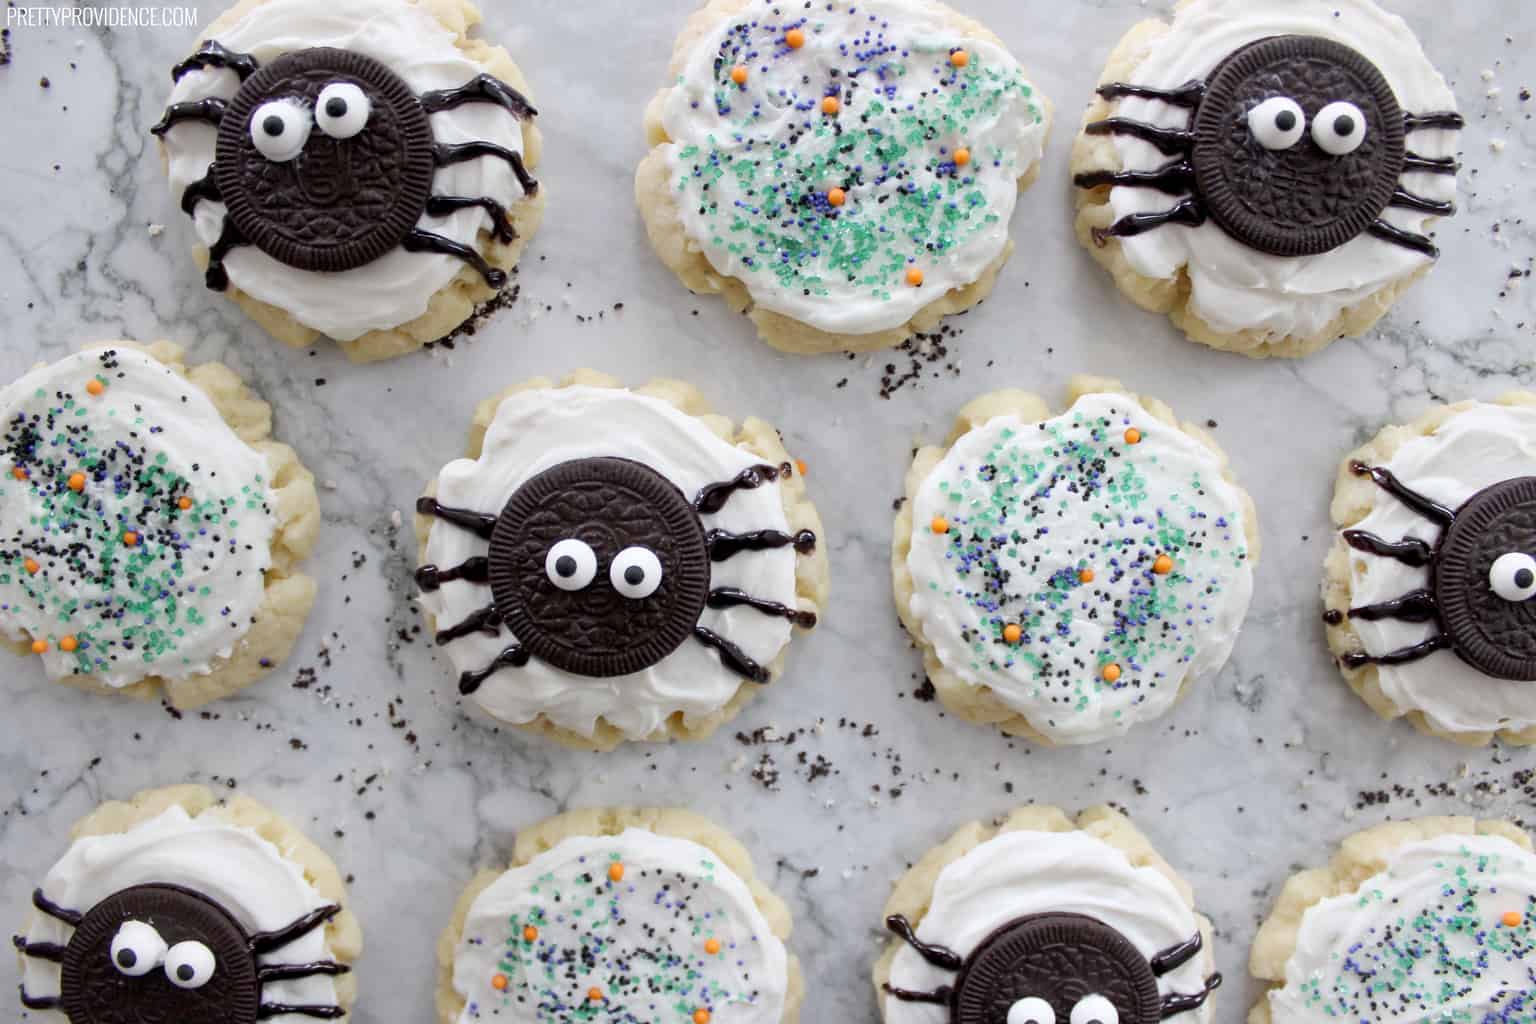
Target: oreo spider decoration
(1482,577)
(325,159)
(165,953)
(1295,146)
(601,567)
(1055,968)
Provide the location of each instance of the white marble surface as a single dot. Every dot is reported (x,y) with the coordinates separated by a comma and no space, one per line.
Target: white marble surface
(1260,771)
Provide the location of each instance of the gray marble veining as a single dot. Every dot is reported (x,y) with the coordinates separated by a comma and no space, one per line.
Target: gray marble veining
(848,778)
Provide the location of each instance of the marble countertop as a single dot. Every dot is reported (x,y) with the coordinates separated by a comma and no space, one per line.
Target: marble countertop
(840,776)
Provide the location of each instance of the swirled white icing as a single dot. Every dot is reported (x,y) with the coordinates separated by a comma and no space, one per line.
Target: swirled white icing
(753,163)
(1236,288)
(1427,937)
(232,866)
(1017,874)
(1468,452)
(658,928)
(395,288)
(1055,529)
(154,566)
(535,430)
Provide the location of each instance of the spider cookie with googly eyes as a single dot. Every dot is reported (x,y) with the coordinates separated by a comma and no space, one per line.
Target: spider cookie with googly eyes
(172,907)
(844,173)
(666,889)
(360,169)
(151,532)
(1045,920)
(609,565)
(1430,587)
(1267,172)
(1413,922)
(1068,576)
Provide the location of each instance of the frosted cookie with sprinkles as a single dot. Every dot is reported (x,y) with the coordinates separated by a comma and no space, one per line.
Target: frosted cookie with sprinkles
(620,914)
(1430,586)
(1267,172)
(843,172)
(1069,576)
(1411,922)
(151,532)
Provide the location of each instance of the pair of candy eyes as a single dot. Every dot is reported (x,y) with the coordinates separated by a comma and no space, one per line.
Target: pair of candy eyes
(280,128)
(1279,123)
(634,572)
(138,949)
(1088,1010)
(1513,576)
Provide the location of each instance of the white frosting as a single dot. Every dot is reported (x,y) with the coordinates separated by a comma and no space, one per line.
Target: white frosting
(1236,288)
(1470,451)
(1022,873)
(183,596)
(534,430)
(1056,518)
(232,866)
(858,49)
(642,942)
(404,36)
(1438,902)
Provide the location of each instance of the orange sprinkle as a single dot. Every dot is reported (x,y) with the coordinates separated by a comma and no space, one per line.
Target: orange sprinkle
(701,1016)
(836,196)
(616,872)
(962,157)
(95,386)
(530,934)
(32,567)
(499,982)
(1512,919)
(959,58)
(68,644)
(831,104)
(1111,672)
(800,466)
(939,525)
(1163,565)
(914,277)
(39,646)
(739,74)
(712,946)
(794,39)
(77,482)
(1086,576)
(1133,436)
(131,539)
(594,995)
(1012,633)
(19,473)
(185,503)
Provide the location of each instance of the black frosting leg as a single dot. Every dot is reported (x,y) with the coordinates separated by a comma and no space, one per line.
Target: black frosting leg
(724,544)
(732,656)
(474,570)
(213,55)
(513,657)
(501,221)
(938,956)
(1186,211)
(1401,656)
(1388,481)
(47,906)
(731,597)
(215,276)
(1173,178)
(1417,606)
(1434,119)
(286,972)
(477,523)
(1411,551)
(1408,201)
(941,996)
(418,240)
(1430,164)
(323,1012)
(487,620)
(265,942)
(203,188)
(1187,95)
(456,153)
(713,497)
(37,1002)
(1169,141)
(39,950)
(1174,957)
(208,111)
(1179,1002)
(481,89)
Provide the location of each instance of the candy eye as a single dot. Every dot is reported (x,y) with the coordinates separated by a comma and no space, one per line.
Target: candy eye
(1095,1010)
(1277,123)
(1513,576)
(279,129)
(570,564)
(635,573)
(137,949)
(1339,129)
(342,110)
(1032,1010)
(189,965)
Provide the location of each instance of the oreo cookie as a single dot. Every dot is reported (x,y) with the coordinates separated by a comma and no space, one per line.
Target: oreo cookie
(1293,197)
(1494,633)
(342,200)
(599,567)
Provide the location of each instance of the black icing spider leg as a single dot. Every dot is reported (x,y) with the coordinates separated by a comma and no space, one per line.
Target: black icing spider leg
(1445,119)
(214,55)
(731,655)
(1410,551)
(731,597)
(45,950)
(501,220)
(1180,1002)
(724,544)
(513,657)
(478,523)
(1409,201)
(1186,211)
(1415,606)
(1187,95)
(266,942)
(487,620)
(1407,239)
(215,276)
(480,89)
(206,187)
(457,152)
(1430,164)
(713,497)
(1169,141)
(418,240)
(471,570)
(938,956)
(1387,481)
(1172,959)
(209,111)
(1174,178)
